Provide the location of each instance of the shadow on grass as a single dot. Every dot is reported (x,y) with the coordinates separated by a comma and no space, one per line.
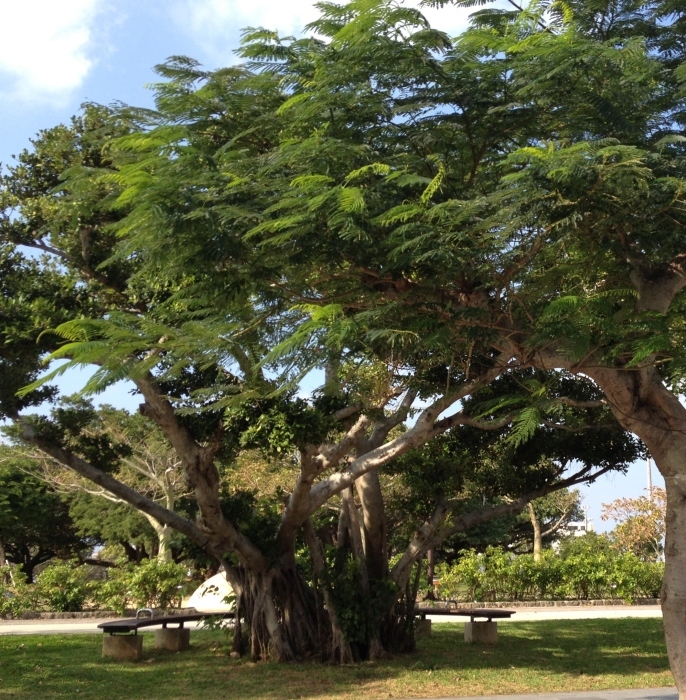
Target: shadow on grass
(530,657)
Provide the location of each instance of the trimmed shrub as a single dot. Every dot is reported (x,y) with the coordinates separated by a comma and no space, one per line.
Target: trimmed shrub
(62,587)
(584,569)
(150,584)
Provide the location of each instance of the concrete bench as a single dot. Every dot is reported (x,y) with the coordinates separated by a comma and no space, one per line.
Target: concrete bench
(481,631)
(121,639)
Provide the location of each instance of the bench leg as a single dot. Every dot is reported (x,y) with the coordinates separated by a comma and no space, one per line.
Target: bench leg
(127,647)
(481,632)
(422,629)
(173,638)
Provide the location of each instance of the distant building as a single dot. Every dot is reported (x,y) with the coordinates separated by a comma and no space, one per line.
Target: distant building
(578,529)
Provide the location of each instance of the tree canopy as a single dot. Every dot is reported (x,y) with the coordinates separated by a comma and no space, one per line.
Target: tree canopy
(477,240)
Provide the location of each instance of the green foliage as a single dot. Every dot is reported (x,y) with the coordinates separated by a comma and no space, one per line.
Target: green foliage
(62,586)
(358,612)
(16,595)
(151,584)
(585,568)
(34,521)
(111,524)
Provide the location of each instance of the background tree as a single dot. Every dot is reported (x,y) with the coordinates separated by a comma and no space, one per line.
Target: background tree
(641,526)
(34,522)
(551,514)
(144,461)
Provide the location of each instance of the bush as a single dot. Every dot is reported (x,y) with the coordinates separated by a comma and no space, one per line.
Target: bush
(150,584)
(113,593)
(156,584)
(62,587)
(585,568)
(16,595)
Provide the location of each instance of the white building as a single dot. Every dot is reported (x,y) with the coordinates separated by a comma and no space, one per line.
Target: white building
(578,529)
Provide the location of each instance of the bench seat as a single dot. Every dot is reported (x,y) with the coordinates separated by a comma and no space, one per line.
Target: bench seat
(485,631)
(121,644)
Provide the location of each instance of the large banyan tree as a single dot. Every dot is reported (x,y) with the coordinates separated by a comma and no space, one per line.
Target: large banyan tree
(478,241)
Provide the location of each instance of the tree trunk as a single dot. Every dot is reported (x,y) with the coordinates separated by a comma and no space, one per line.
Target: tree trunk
(373,525)
(340,650)
(674,584)
(644,405)
(430,572)
(3,556)
(538,537)
(279,617)
(164,552)
(164,536)
(375,648)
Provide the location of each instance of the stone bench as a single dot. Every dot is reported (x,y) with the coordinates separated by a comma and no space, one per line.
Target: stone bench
(483,631)
(121,639)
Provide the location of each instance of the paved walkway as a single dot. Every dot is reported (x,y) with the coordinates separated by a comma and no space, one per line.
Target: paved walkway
(643,694)
(591,612)
(522,615)
(89,626)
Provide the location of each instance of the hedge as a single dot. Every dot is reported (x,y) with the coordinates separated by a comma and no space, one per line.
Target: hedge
(576,574)
(65,587)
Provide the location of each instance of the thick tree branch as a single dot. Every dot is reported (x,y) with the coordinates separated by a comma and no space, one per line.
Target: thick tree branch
(556,525)
(424,429)
(431,535)
(658,285)
(347,412)
(202,474)
(416,548)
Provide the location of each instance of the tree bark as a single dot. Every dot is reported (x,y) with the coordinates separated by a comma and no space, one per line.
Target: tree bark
(538,537)
(339,650)
(674,584)
(644,405)
(375,650)
(164,535)
(373,525)
(430,572)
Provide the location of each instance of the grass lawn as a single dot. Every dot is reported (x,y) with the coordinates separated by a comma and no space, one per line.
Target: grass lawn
(530,657)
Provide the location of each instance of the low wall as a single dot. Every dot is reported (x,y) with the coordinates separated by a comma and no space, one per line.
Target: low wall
(95,614)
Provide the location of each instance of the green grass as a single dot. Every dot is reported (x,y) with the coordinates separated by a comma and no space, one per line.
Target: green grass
(530,657)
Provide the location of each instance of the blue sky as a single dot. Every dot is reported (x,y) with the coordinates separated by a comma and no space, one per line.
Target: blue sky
(56,54)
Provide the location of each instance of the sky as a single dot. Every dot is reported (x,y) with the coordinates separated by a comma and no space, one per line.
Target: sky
(57,54)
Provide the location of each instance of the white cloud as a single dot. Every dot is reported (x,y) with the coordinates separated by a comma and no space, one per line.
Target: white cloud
(44,47)
(210,21)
